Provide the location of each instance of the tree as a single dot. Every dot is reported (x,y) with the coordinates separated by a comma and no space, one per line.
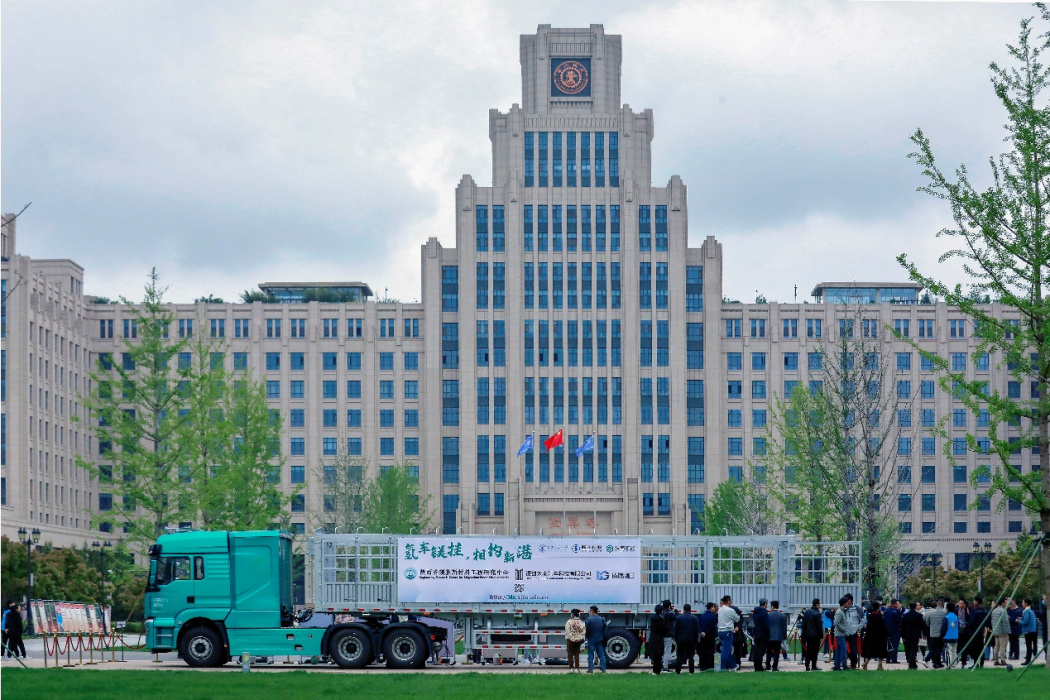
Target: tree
(1000,235)
(58,574)
(796,481)
(392,502)
(247,492)
(230,439)
(388,501)
(210,299)
(135,408)
(740,508)
(841,450)
(344,493)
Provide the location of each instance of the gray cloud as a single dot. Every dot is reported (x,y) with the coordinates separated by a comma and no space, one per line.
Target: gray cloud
(234,143)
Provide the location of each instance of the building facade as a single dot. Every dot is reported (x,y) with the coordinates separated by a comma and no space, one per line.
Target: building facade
(571,301)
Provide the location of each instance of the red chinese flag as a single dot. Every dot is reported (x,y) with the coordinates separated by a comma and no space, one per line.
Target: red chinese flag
(553,441)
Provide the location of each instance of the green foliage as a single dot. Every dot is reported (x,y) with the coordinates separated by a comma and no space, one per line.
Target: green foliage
(392,501)
(14,581)
(741,508)
(230,441)
(210,299)
(389,500)
(135,409)
(834,451)
(180,441)
(253,295)
(58,574)
(999,570)
(1000,235)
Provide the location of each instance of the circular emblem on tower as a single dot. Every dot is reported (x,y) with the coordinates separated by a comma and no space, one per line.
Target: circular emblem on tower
(571,77)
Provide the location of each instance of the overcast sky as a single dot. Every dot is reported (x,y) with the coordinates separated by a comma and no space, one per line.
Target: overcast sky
(233,143)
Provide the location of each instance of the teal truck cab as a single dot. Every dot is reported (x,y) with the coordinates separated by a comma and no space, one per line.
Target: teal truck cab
(214,596)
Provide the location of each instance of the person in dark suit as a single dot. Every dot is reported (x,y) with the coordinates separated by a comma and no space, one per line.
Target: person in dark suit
(875,636)
(708,637)
(976,632)
(912,627)
(686,634)
(654,644)
(778,626)
(760,634)
(892,616)
(812,632)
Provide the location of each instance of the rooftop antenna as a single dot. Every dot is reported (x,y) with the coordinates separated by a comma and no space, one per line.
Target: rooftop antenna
(796,293)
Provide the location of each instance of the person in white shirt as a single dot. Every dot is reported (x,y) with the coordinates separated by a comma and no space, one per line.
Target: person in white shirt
(728,623)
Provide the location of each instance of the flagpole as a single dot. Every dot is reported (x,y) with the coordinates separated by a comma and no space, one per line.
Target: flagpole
(594,493)
(564,504)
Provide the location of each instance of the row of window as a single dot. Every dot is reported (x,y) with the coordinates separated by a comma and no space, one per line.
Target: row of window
(329,361)
(274,328)
(551,158)
(572,291)
(961,527)
(870,327)
(330,389)
(543,229)
(354,447)
(330,418)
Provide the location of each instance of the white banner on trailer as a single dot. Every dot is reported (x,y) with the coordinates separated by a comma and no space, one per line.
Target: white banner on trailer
(444,569)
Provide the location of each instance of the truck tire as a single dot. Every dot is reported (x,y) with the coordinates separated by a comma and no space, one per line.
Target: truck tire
(201,647)
(621,647)
(405,647)
(351,648)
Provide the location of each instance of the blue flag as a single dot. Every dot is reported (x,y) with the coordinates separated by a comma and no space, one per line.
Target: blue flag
(587,446)
(525,446)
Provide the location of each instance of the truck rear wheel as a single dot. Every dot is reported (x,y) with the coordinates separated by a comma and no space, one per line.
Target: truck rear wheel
(201,647)
(621,647)
(405,648)
(351,648)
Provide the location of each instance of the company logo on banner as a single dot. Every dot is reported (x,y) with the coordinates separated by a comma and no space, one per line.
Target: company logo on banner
(518,570)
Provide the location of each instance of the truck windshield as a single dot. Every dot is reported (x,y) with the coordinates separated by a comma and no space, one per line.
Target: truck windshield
(172,569)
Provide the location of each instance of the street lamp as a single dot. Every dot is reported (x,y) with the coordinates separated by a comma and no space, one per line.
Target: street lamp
(101,548)
(982,555)
(29,538)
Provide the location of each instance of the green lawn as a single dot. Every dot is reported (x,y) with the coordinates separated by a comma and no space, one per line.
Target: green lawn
(891,685)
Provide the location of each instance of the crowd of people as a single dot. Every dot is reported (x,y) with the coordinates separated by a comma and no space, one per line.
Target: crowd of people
(849,635)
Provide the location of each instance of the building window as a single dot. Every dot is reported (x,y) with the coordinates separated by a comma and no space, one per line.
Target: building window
(450,288)
(694,288)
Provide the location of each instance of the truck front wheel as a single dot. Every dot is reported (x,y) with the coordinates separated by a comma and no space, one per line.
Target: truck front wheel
(621,647)
(201,647)
(405,648)
(351,648)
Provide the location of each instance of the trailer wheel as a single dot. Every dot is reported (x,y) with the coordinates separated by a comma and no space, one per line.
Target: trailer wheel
(201,647)
(351,648)
(405,648)
(621,647)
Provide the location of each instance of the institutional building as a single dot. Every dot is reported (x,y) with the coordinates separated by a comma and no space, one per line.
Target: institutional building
(571,300)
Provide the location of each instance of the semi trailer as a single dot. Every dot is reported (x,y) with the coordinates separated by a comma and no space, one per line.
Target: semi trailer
(214,596)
